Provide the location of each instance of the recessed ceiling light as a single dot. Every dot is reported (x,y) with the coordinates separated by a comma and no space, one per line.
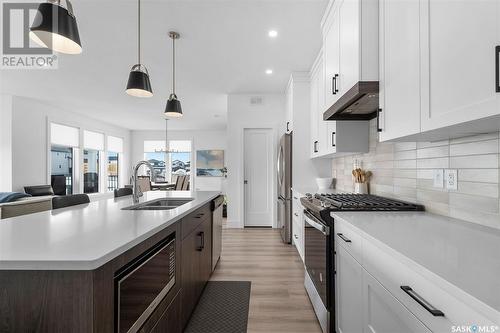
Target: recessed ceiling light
(273,33)
(269,71)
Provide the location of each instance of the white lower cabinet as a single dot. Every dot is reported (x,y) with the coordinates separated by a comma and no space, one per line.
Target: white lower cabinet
(349,296)
(298,223)
(380,291)
(383,313)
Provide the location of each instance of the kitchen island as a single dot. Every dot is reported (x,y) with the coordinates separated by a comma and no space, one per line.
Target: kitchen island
(62,270)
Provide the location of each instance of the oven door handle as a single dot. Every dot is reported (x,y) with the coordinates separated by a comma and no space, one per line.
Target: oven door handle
(313,222)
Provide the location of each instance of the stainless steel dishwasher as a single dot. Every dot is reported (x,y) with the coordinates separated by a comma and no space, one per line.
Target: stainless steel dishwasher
(216,229)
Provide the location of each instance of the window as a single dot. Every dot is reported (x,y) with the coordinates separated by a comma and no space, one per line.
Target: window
(64,140)
(93,143)
(113,164)
(115,147)
(61,176)
(180,159)
(168,166)
(90,171)
(154,153)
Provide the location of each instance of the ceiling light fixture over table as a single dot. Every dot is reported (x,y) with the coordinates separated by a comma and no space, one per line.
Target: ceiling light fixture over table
(138,84)
(55,28)
(173,108)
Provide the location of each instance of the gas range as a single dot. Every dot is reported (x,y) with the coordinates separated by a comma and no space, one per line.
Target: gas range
(319,243)
(322,204)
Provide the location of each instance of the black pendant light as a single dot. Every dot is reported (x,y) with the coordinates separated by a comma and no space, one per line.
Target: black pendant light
(138,84)
(173,108)
(55,27)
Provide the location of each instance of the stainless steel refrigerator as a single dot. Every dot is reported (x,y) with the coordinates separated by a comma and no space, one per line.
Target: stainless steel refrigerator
(284,174)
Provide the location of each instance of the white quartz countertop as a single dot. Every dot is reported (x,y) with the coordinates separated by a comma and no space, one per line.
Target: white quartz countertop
(87,236)
(464,254)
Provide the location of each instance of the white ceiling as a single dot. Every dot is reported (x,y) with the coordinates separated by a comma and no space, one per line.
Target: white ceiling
(224,48)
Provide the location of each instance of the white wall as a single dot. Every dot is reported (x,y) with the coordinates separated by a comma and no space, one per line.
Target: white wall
(30,123)
(5,143)
(241,115)
(201,140)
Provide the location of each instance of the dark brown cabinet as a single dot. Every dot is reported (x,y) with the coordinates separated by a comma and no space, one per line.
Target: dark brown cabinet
(196,260)
(86,301)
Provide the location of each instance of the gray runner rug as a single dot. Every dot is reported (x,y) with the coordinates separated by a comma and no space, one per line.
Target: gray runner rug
(223,308)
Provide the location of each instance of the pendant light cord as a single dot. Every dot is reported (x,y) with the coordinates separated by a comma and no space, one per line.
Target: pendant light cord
(139,31)
(173,65)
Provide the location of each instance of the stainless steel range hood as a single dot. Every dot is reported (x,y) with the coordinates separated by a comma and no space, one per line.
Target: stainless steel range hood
(358,103)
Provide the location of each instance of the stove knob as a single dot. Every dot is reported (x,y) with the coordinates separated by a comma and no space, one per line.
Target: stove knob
(309,196)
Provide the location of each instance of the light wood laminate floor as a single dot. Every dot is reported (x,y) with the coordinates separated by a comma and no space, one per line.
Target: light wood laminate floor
(278,301)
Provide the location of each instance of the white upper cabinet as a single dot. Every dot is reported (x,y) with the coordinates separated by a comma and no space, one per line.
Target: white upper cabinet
(350,43)
(458,61)
(329,138)
(349,17)
(438,69)
(331,65)
(315,105)
(399,95)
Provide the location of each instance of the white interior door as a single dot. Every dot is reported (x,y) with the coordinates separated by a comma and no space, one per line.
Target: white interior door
(258,173)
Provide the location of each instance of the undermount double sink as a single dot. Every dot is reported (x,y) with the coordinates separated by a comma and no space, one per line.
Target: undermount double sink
(160,204)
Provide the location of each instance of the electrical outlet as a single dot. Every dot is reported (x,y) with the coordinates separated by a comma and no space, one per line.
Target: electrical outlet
(451,180)
(438,178)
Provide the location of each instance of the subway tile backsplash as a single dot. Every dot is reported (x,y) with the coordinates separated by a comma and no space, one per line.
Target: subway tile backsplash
(404,170)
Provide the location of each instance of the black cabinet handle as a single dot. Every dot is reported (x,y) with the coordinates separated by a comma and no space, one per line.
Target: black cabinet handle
(333,139)
(497,68)
(426,305)
(334,84)
(202,238)
(378,120)
(344,238)
(288,126)
(199,216)
(315,146)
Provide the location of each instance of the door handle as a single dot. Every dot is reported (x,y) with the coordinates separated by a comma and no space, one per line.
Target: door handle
(497,68)
(288,126)
(426,305)
(378,120)
(315,146)
(333,139)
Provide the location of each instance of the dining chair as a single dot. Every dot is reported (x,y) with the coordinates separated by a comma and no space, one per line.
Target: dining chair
(144,183)
(179,182)
(185,185)
(69,200)
(124,191)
